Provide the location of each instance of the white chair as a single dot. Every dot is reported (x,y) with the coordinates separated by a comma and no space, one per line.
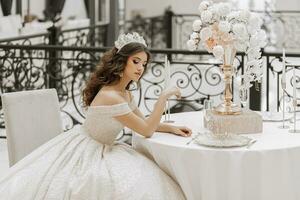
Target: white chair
(31,119)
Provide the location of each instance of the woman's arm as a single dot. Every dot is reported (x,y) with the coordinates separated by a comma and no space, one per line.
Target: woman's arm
(167,128)
(144,126)
(177,130)
(147,126)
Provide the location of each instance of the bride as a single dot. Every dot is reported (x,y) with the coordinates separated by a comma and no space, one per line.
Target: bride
(86,163)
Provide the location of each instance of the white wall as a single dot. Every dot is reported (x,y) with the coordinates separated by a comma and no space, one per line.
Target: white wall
(290,5)
(260,4)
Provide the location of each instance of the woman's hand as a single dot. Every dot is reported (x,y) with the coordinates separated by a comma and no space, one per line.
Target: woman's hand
(171,91)
(181,130)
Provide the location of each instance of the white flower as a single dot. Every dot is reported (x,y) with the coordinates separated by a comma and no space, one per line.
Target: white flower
(191,45)
(218,51)
(246,77)
(206,16)
(205,33)
(239,29)
(240,46)
(233,15)
(220,25)
(244,15)
(244,38)
(254,69)
(262,38)
(224,9)
(255,22)
(254,63)
(224,26)
(258,39)
(194,36)
(197,25)
(253,53)
(215,12)
(254,40)
(203,6)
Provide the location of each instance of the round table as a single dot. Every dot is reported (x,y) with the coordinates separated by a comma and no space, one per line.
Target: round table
(268,170)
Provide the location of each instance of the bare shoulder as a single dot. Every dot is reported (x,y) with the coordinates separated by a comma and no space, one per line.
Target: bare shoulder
(108,97)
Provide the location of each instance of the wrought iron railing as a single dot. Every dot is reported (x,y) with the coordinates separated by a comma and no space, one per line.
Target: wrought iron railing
(272,89)
(153,29)
(32,39)
(35,67)
(84,36)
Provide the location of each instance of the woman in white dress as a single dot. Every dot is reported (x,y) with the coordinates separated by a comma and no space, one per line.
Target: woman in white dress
(87,163)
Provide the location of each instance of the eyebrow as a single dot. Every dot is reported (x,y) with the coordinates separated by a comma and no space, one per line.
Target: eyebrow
(138,58)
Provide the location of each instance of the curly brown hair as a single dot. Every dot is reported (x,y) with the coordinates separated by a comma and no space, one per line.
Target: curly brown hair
(110,69)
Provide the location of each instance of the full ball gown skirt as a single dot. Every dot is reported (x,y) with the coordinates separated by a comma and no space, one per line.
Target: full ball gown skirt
(87,164)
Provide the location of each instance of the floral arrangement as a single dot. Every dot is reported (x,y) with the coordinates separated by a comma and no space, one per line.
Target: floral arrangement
(219,26)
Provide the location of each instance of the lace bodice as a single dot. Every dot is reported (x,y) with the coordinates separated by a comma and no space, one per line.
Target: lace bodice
(100,123)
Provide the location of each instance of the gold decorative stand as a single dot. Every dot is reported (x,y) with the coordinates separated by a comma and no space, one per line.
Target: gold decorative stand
(228,107)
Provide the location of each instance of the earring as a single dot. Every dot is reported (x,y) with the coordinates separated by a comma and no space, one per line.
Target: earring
(121,75)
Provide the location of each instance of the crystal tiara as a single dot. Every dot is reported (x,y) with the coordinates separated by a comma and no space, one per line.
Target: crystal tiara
(124,39)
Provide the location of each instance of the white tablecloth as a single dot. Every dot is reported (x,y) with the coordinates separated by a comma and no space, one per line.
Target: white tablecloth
(269,170)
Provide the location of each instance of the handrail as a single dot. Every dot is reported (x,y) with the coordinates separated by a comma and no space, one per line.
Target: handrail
(23,37)
(85,27)
(46,33)
(153,50)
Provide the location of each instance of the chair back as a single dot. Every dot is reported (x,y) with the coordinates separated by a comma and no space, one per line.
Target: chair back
(31,119)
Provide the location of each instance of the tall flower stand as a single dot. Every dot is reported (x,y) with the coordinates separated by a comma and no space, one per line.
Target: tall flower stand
(228,107)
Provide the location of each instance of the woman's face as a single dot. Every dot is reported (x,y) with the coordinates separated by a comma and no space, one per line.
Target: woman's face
(135,66)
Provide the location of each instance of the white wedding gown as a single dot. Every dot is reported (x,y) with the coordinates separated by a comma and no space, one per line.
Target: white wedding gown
(87,164)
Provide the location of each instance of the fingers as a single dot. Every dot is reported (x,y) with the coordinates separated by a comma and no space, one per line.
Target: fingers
(187,131)
(177,93)
(183,131)
(173,91)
